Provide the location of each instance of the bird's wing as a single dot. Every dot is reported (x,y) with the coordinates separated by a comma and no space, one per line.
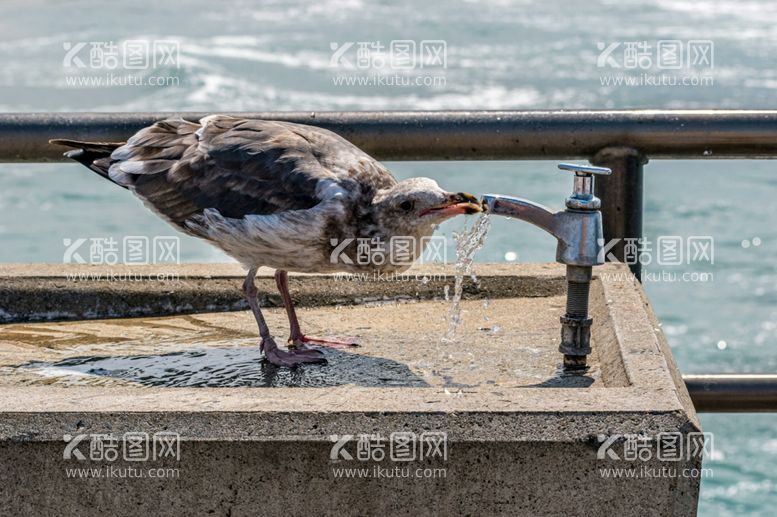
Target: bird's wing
(241,167)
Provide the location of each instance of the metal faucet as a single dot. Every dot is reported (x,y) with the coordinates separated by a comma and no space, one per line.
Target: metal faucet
(578,230)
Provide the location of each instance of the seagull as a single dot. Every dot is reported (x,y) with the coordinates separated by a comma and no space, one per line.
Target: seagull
(292,197)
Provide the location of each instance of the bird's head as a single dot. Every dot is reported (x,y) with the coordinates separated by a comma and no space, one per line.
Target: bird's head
(418,205)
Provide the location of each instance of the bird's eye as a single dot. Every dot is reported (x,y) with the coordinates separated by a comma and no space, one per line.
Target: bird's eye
(406,205)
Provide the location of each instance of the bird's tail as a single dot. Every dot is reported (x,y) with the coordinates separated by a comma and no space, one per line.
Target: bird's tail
(95,155)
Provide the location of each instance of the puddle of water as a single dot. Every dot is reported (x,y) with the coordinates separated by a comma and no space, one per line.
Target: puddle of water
(221,368)
(468,242)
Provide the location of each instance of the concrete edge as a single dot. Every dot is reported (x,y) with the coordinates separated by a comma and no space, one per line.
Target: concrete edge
(239,413)
(46,292)
(681,389)
(646,356)
(476,426)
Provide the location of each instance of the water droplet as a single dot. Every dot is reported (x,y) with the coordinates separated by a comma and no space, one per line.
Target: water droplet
(745,243)
(756,241)
(722,345)
(511,256)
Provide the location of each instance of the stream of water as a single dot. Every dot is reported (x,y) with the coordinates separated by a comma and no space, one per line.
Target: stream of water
(468,242)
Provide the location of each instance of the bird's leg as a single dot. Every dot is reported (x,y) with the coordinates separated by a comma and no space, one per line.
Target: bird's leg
(297,339)
(271,351)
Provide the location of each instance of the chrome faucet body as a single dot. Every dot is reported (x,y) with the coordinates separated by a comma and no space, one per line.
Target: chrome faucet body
(578,231)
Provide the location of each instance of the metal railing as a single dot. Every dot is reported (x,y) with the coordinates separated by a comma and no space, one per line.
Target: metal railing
(621,140)
(738,393)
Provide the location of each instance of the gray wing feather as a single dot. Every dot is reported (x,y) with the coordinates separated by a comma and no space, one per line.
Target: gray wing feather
(240,167)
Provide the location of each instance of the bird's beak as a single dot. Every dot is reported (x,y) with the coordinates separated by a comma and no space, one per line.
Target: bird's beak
(456,204)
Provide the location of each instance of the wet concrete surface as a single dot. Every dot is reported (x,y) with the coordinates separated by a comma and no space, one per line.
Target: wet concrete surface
(510,342)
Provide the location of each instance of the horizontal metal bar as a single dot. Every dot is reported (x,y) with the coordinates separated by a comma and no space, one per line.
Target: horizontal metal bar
(733,393)
(450,135)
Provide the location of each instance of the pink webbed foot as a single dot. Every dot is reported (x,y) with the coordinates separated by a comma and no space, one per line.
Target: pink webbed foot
(290,358)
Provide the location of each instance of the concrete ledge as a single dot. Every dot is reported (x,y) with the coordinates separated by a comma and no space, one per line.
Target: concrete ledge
(522,436)
(57,292)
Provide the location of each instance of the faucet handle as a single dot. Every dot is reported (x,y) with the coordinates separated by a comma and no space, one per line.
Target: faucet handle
(583,197)
(584,169)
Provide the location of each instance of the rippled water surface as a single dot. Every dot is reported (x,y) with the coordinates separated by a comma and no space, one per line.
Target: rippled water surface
(501,55)
(239,367)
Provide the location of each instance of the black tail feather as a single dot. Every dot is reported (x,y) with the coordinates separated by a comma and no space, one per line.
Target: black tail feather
(94,155)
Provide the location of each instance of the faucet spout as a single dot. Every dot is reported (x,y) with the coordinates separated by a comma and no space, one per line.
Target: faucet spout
(523,209)
(578,232)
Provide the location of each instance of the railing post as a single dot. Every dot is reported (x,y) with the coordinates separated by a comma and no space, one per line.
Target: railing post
(621,195)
